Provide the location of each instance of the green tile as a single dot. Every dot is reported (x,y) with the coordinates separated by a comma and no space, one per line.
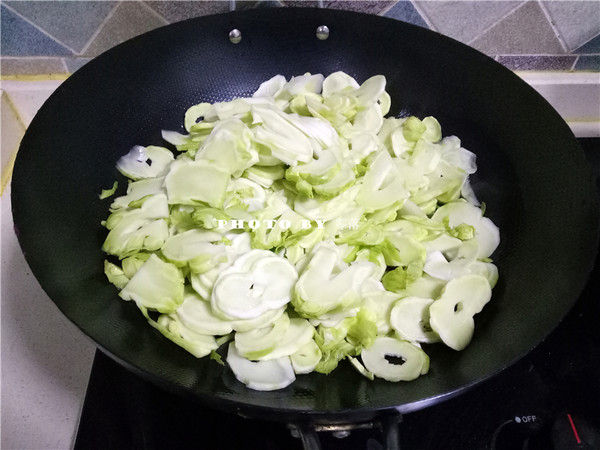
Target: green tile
(130,19)
(526,31)
(464,20)
(70,22)
(576,21)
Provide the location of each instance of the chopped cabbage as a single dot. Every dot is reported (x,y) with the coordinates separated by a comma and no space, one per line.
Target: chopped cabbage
(303,227)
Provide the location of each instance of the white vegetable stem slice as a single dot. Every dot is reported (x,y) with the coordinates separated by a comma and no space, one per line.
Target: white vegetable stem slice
(306,358)
(145,162)
(261,375)
(197,315)
(459,212)
(414,360)
(137,190)
(410,319)
(320,290)
(299,333)
(261,321)
(255,344)
(191,244)
(451,316)
(259,281)
(197,344)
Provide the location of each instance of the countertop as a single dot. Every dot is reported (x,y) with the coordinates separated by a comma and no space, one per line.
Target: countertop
(46,360)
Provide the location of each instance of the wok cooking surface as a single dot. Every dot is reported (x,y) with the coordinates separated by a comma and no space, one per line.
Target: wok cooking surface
(546,401)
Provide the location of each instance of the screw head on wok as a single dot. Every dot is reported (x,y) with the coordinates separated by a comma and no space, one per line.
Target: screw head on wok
(322,32)
(235,36)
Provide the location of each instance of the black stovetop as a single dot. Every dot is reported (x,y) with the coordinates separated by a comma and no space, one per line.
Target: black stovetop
(548,400)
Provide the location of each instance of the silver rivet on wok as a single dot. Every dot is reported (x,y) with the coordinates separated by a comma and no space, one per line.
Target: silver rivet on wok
(235,36)
(323,32)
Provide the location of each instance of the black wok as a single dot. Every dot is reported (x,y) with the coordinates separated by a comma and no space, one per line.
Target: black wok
(532,176)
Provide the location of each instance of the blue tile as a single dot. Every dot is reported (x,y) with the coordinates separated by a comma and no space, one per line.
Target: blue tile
(20,38)
(591,63)
(591,46)
(406,12)
(72,23)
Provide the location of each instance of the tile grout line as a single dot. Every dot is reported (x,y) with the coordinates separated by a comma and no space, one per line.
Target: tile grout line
(553,26)
(13,108)
(11,57)
(543,55)
(153,12)
(386,10)
(512,11)
(156,13)
(99,29)
(37,27)
(424,16)
(64,63)
(7,169)
(587,42)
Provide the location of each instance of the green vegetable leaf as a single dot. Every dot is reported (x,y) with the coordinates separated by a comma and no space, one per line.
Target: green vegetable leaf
(109,192)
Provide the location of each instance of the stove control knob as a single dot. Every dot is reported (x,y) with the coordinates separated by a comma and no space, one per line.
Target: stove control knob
(570,431)
(520,432)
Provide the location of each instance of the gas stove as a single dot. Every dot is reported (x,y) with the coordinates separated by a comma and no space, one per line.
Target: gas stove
(548,400)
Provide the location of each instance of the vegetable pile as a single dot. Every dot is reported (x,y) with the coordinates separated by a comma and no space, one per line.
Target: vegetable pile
(301,227)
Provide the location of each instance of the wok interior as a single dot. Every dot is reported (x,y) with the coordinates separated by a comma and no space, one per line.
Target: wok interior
(532,177)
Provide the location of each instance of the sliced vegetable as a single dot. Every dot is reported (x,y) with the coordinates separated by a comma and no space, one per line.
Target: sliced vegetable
(157,285)
(410,319)
(145,162)
(197,344)
(196,314)
(306,228)
(395,360)
(261,375)
(135,229)
(196,182)
(263,281)
(306,358)
(451,316)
